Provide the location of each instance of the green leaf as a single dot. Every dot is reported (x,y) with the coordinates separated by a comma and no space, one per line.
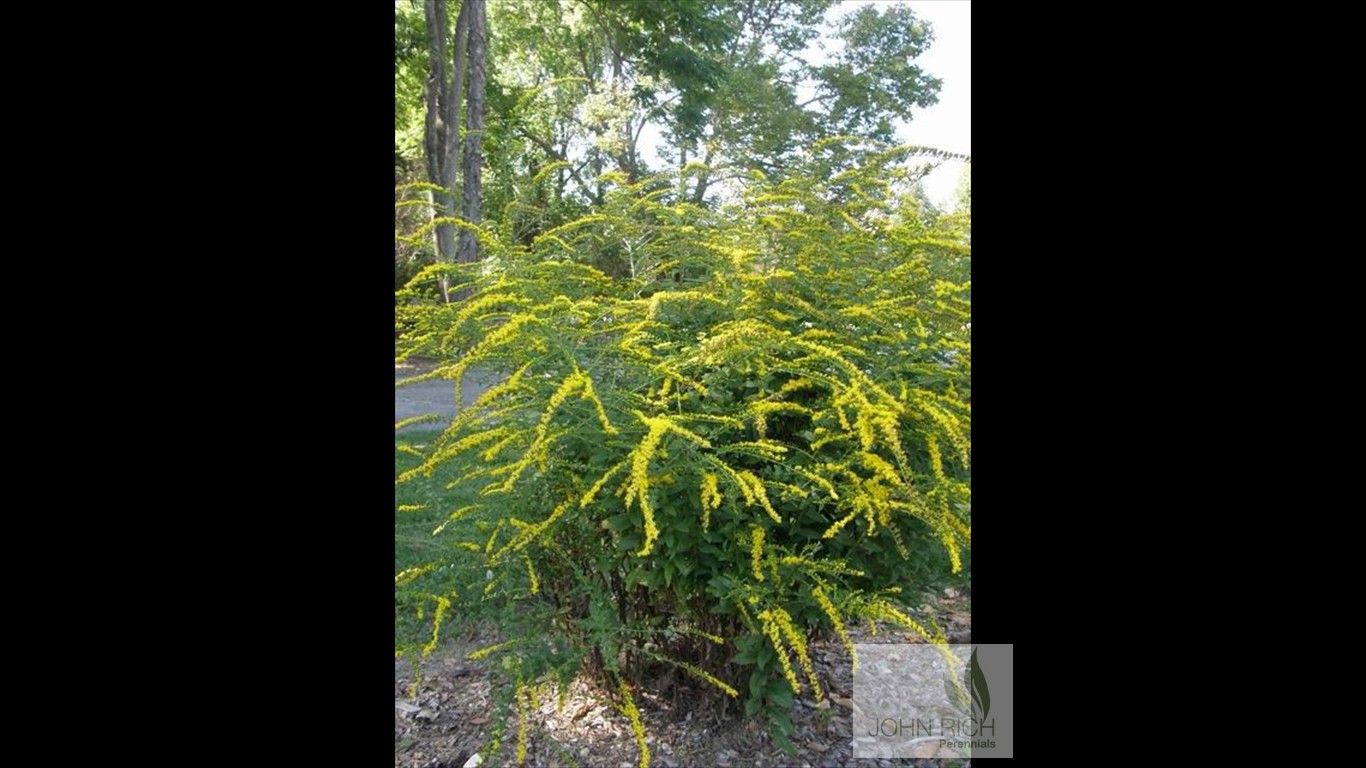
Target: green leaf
(618,523)
(780,691)
(758,681)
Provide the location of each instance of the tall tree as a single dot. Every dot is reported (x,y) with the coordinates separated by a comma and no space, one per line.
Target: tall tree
(474,127)
(774,105)
(442,128)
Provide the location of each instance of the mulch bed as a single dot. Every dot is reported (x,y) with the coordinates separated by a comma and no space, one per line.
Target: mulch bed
(450,718)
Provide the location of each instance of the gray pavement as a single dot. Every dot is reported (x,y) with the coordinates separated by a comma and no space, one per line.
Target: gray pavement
(436,396)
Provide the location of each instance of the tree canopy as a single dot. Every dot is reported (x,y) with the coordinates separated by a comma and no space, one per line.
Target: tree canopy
(573,89)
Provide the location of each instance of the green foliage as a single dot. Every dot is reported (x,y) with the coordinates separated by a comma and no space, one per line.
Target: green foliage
(873,77)
(717,432)
(573,83)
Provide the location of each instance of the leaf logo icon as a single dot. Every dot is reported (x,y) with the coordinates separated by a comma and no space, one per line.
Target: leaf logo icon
(981,697)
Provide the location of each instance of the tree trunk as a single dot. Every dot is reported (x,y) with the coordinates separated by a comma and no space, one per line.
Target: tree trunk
(462,25)
(703,181)
(439,131)
(474,131)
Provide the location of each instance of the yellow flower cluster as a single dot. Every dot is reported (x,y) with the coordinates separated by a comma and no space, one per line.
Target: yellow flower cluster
(492,452)
(488,588)
(502,335)
(765,449)
(592,493)
(591,395)
(408,575)
(936,461)
(711,497)
(442,606)
(475,306)
(497,529)
(456,515)
(638,485)
(729,421)
(714,638)
(834,567)
(834,616)
(777,624)
(881,469)
(530,532)
(576,382)
(798,642)
(756,554)
(952,426)
(753,489)
(771,629)
(427,467)
(531,574)
(415,420)
(478,411)
(834,529)
(663,396)
(702,673)
(853,371)
(826,439)
(881,609)
(521,719)
(629,709)
(705,675)
(945,525)
(762,411)
(482,652)
(818,480)
(887,424)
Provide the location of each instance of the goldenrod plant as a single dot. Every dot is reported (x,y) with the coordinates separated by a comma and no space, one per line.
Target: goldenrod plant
(714,433)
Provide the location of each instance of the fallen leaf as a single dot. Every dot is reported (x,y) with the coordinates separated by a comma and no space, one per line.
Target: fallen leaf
(815,746)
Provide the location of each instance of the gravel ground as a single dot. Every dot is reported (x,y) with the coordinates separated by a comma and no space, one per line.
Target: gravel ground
(450,718)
